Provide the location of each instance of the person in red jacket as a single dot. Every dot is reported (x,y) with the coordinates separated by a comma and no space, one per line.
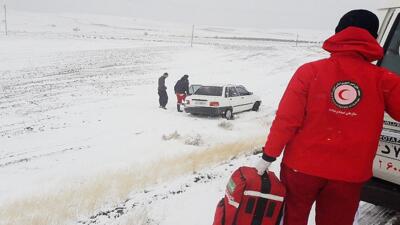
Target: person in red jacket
(328,124)
(181,90)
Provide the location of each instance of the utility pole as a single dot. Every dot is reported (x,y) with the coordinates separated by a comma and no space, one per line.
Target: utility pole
(297,39)
(191,42)
(5,18)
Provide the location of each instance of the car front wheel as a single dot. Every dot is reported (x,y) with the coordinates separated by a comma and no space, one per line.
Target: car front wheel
(256,106)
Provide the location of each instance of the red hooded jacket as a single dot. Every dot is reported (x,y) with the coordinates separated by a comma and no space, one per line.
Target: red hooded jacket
(330,117)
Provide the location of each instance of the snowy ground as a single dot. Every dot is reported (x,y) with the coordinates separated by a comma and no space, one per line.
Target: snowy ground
(83,140)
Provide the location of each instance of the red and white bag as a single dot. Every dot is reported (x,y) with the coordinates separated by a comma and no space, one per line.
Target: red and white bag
(251,199)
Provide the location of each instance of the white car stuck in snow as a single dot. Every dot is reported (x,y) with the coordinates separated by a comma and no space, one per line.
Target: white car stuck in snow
(221,100)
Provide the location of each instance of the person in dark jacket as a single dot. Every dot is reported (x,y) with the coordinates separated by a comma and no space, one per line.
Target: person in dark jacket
(328,124)
(181,89)
(162,91)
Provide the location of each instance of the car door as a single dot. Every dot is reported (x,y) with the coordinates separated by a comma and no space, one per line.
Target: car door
(233,98)
(246,100)
(387,160)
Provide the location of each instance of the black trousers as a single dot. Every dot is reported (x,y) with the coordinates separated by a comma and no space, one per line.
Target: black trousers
(163,98)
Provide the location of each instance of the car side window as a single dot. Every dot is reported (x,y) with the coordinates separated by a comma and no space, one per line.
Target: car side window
(391,60)
(193,89)
(242,90)
(232,92)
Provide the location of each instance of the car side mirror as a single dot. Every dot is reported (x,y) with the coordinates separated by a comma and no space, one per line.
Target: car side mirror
(250,93)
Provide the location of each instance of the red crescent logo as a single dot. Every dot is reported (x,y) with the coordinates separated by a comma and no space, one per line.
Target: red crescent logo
(340,94)
(345,94)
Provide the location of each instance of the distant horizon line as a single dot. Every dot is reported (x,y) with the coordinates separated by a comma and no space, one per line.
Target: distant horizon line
(168,21)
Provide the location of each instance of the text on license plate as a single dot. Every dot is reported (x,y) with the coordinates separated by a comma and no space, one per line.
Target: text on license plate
(200,102)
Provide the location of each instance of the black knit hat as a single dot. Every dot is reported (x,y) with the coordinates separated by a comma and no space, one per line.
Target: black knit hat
(360,18)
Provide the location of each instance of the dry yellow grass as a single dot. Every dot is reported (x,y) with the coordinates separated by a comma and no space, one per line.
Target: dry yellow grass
(66,205)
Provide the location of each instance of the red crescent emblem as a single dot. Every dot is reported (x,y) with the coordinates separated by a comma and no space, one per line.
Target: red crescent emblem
(346,94)
(340,94)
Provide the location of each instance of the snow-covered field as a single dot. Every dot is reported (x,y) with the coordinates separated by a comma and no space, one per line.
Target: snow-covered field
(83,140)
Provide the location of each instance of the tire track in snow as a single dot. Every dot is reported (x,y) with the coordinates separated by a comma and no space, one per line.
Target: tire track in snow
(376,215)
(70,79)
(28,156)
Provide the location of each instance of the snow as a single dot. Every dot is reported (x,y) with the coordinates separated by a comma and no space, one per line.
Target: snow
(81,132)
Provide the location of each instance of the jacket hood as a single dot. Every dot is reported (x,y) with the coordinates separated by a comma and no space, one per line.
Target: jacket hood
(354,40)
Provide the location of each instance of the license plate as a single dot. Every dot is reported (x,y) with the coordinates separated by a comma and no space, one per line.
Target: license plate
(387,160)
(200,102)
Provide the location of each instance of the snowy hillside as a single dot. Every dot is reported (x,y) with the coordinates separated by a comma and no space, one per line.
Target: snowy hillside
(82,138)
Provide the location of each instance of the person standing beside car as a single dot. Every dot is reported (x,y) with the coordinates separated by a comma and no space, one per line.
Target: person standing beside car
(328,124)
(162,91)
(181,89)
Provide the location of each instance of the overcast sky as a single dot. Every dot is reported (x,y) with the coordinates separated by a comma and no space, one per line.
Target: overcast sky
(307,14)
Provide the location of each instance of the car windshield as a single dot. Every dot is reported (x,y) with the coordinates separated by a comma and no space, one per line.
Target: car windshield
(209,90)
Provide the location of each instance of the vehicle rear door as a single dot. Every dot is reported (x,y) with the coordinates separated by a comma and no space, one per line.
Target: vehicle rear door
(233,98)
(387,160)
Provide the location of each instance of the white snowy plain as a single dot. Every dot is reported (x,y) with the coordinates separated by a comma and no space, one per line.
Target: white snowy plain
(83,140)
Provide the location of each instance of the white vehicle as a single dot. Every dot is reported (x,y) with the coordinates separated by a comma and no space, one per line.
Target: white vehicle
(384,188)
(221,100)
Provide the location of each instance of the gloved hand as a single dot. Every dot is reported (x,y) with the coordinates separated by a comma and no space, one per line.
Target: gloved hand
(262,166)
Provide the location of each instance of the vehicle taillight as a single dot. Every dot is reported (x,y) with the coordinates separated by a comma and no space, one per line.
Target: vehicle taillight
(187,102)
(214,104)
